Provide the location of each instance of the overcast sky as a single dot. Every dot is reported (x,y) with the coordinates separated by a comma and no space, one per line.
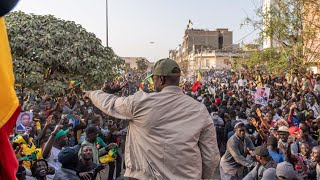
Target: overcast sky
(133,24)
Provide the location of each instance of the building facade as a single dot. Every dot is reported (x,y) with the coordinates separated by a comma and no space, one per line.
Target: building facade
(311,27)
(205,49)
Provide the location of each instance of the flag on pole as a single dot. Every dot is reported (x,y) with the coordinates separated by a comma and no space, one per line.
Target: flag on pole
(141,86)
(197,84)
(9,107)
(259,83)
(74,84)
(199,76)
(190,23)
(149,78)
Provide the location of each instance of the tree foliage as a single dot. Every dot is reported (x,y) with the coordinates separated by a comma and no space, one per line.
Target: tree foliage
(290,27)
(49,52)
(269,60)
(142,65)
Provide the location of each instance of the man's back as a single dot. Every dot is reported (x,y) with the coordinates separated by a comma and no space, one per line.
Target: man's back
(170,136)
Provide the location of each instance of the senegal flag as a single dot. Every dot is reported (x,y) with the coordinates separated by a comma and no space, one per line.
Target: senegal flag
(197,84)
(9,107)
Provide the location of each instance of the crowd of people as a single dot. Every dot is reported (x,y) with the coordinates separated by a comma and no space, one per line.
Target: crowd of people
(68,138)
(78,137)
(273,140)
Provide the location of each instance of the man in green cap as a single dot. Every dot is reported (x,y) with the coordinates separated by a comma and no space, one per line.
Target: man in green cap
(57,140)
(170,135)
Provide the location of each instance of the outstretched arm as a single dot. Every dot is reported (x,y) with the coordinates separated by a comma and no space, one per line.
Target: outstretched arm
(118,107)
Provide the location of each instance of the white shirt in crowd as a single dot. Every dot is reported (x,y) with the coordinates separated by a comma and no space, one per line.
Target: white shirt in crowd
(242,82)
(53,161)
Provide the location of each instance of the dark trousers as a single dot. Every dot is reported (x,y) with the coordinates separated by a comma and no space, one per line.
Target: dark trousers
(116,164)
(219,132)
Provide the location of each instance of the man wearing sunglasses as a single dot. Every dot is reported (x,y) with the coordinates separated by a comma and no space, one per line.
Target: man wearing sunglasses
(234,160)
(170,135)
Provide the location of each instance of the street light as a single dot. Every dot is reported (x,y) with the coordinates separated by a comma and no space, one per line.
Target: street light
(107,24)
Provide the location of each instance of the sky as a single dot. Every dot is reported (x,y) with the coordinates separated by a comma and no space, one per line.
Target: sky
(133,24)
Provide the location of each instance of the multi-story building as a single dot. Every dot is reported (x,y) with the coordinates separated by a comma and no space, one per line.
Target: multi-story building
(205,49)
(311,30)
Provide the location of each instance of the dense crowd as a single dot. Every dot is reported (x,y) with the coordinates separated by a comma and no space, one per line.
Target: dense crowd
(70,138)
(275,140)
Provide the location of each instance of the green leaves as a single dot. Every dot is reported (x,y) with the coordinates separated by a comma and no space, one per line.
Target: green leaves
(291,27)
(270,59)
(142,65)
(49,52)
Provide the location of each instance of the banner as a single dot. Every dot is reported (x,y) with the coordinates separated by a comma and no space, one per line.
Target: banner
(262,95)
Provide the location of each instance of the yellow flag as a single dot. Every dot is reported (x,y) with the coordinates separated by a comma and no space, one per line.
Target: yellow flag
(8,99)
(199,76)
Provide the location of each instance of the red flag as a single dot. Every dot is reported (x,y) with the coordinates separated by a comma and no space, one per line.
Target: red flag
(195,86)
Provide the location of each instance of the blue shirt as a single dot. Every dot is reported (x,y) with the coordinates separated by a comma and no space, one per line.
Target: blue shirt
(278,158)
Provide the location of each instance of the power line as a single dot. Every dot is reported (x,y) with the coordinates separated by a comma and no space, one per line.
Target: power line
(241,38)
(246,36)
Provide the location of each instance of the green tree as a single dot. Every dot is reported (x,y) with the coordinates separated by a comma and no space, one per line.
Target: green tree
(49,52)
(142,65)
(269,60)
(292,29)
(184,66)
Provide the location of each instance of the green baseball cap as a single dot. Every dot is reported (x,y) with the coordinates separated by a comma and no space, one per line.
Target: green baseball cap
(61,133)
(164,67)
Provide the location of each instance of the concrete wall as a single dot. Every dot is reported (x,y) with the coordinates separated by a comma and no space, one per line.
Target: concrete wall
(206,38)
(216,62)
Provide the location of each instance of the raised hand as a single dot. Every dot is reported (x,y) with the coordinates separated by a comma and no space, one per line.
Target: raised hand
(293,106)
(49,120)
(254,122)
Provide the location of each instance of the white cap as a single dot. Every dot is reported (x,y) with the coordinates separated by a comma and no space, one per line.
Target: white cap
(283,129)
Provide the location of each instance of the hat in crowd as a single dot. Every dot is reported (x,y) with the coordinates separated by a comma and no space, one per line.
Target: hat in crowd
(282,122)
(283,129)
(61,133)
(238,124)
(261,151)
(269,174)
(68,156)
(229,92)
(165,67)
(285,171)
